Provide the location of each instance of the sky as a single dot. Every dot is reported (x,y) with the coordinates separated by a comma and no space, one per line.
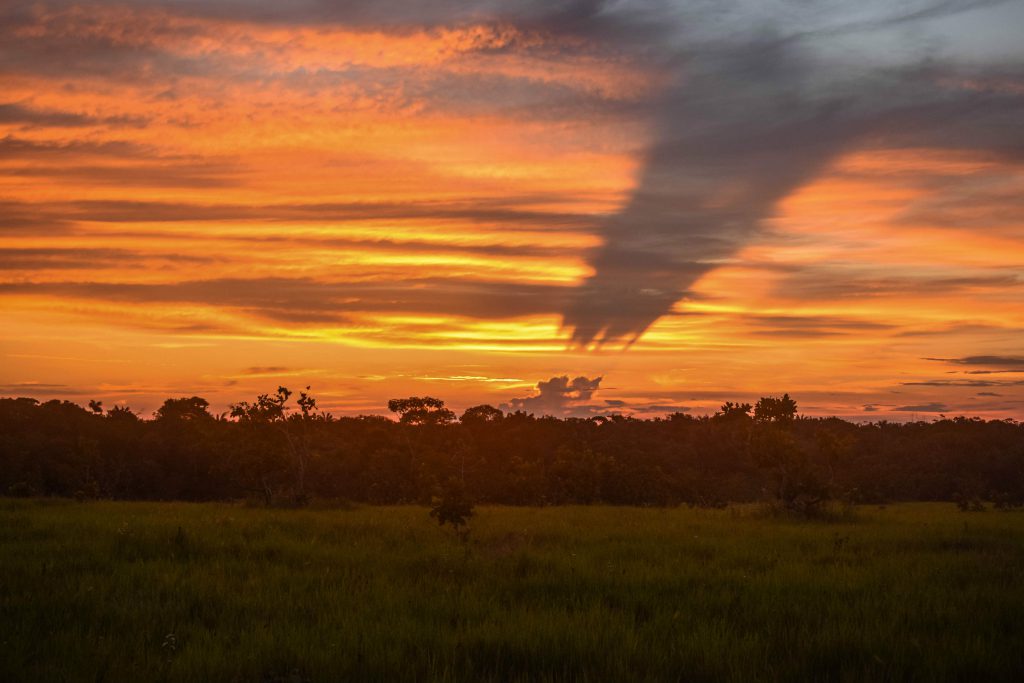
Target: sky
(562,206)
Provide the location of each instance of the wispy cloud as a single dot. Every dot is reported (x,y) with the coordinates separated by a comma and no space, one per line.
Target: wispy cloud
(934,407)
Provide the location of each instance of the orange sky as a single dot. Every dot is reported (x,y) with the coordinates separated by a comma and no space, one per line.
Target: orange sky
(216,205)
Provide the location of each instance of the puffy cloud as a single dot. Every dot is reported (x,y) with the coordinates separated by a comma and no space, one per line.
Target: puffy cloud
(560,396)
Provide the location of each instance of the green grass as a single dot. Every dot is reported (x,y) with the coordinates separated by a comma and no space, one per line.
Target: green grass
(93,592)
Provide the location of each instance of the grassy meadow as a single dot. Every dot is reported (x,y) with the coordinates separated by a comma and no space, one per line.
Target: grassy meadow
(109,591)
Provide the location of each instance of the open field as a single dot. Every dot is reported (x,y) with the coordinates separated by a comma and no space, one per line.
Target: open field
(186,592)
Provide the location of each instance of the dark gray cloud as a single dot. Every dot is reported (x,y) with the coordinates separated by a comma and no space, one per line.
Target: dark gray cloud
(61,40)
(140,48)
(39,389)
(923,408)
(305,300)
(265,370)
(992,372)
(809,326)
(659,408)
(816,282)
(16,112)
(504,210)
(83,258)
(760,107)
(113,162)
(158,174)
(464,94)
(12,147)
(964,383)
(1002,361)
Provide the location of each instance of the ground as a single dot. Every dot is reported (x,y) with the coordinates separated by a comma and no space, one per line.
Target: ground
(218,592)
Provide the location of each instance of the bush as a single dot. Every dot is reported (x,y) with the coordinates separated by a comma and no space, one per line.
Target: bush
(453,507)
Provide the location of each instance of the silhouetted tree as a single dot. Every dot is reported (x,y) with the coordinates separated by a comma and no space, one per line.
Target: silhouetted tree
(779,410)
(453,507)
(734,411)
(184,409)
(270,413)
(481,414)
(417,410)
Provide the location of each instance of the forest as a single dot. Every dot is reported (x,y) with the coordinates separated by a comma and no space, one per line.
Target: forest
(281,452)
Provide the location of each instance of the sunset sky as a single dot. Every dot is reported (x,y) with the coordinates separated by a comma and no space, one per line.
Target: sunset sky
(680,202)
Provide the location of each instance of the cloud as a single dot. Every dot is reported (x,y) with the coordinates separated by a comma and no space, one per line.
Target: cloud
(57,258)
(307,300)
(759,107)
(509,210)
(559,396)
(266,370)
(838,282)
(1002,361)
(16,112)
(39,389)
(670,408)
(810,326)
(159,174)
(997,365)
(993,372)
(14,147)
(924,408)
(964,383)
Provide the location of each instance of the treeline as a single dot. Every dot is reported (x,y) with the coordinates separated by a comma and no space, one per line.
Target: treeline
(278,453)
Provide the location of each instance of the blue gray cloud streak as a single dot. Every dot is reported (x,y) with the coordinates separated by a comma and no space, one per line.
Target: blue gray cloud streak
(763,96)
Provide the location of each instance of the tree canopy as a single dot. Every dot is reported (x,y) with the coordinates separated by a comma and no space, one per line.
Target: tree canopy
(276,449)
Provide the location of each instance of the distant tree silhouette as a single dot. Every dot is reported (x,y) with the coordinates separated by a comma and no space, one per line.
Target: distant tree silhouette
(481,414)
(286,450)
(453,507)
(779,410)
(421,410)
(122,413)
(733,411)
(184,409)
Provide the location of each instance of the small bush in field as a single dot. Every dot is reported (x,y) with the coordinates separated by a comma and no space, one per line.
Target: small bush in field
(453,507)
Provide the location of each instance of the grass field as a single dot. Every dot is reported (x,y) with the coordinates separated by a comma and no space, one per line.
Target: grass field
(183,592)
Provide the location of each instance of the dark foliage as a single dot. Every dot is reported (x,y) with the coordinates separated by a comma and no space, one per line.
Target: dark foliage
(283,454)
(453,507)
